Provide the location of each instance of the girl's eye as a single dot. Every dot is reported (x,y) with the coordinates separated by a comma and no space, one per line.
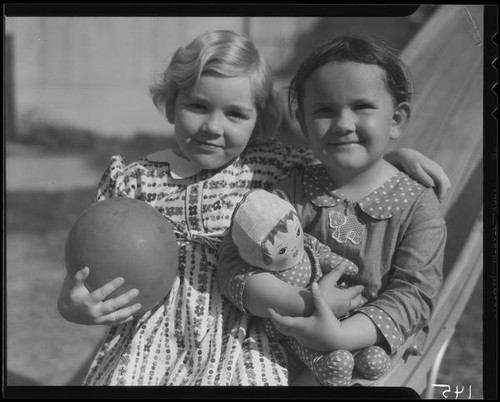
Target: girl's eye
(198,107)
(363,106)
(298,232)
(322,111)
(282,251)
(237,115)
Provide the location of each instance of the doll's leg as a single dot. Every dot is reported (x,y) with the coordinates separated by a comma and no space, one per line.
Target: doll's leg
(372,362)
(329,368)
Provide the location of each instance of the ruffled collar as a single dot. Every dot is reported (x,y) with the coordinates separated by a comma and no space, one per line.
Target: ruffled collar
(180,167)
(389,199)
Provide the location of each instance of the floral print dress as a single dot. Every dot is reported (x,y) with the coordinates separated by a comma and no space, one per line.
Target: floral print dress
(195,336)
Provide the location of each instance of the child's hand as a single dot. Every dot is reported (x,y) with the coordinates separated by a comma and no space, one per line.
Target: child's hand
(317,331)
(422,169)
(78,305)
(341,301)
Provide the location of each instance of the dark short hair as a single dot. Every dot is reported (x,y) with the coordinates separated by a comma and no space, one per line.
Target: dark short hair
(359,50)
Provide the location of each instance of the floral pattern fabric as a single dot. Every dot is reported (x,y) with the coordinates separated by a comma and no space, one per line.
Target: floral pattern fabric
(195,336)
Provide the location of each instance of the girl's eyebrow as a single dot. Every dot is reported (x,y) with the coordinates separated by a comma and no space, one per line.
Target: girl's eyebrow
(363,99)
(242,108)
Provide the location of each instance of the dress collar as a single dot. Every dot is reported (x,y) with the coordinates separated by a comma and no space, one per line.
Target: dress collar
(389,199)
(180,167)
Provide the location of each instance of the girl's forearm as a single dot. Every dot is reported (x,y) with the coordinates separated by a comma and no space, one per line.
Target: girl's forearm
(357,332)
(264,291)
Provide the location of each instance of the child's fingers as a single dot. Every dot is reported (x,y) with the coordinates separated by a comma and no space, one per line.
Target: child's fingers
(283,324)
(443,187)
(81,275)
(108,306)
(334,275)
(356,302)
(104,291)
(319,302)
(433,175)
(119,316)
(423,177)
(354,291)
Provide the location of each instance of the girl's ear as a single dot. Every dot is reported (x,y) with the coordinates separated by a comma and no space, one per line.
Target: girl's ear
(169,111)
(400,119)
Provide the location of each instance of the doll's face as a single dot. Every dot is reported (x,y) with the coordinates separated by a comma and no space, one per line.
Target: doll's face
(286,248)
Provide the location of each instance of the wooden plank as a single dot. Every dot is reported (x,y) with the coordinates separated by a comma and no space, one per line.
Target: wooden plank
(447,68)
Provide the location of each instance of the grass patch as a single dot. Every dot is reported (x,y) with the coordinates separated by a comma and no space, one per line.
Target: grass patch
(57,139)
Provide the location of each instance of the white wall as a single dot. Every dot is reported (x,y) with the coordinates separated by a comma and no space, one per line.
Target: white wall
(94,72)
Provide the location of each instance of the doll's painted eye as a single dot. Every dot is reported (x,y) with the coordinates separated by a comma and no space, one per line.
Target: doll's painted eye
(282,251)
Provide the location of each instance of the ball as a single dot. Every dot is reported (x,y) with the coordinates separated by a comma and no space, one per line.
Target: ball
(124,237)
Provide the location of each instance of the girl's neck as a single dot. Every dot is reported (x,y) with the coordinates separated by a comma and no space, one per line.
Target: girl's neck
(355,185)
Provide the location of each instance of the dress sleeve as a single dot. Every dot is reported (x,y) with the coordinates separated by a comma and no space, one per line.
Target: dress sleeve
(393,337)
(299,157)
(417,270)
(232,272)
(115,182)
(273,161)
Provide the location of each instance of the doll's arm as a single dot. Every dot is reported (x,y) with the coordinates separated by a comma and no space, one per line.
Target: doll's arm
(322,331)
(255,291)
(420,168)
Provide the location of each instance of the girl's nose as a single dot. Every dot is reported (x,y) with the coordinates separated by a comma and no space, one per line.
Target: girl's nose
(344,123)
(213,124)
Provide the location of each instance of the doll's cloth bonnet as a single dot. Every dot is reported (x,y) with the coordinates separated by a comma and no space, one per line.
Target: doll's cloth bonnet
(253,219)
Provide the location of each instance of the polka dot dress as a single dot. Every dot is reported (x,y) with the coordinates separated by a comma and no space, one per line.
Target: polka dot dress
(301,275)
(347,234)
(395,194)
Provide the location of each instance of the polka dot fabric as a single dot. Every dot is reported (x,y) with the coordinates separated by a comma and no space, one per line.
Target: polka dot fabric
(300,275)
(390,198)
(318,260)
(386,325)
(372,362)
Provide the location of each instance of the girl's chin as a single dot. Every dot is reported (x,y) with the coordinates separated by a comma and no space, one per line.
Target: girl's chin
(212,163)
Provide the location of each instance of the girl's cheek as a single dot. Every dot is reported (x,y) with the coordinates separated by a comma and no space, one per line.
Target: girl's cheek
(190,122)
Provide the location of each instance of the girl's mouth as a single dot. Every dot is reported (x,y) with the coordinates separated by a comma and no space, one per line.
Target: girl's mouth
(346,144)
(207,144)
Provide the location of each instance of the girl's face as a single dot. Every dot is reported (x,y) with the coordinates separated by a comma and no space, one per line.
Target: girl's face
(214,121)
(349,116)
